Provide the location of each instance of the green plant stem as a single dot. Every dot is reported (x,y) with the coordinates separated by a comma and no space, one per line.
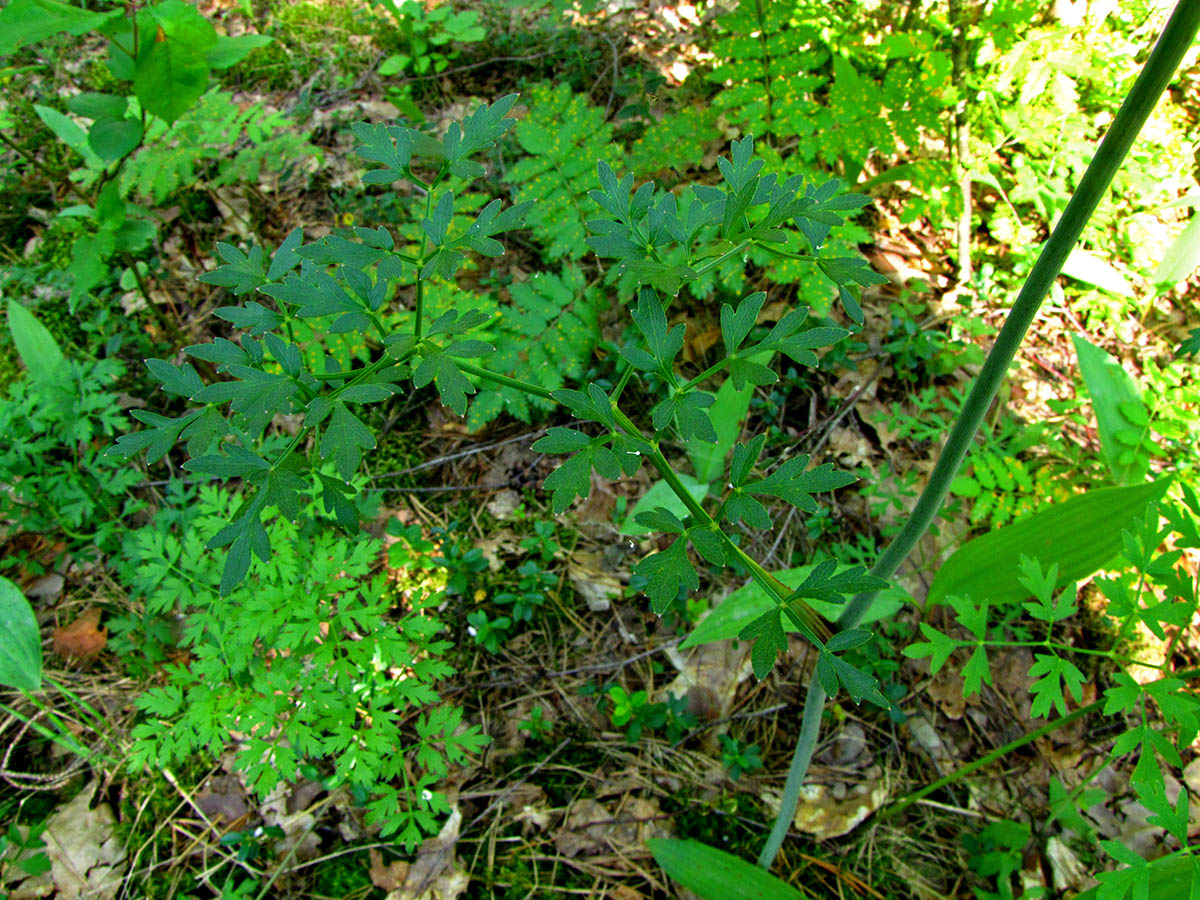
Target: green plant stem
(419,312)
(736,250)
(515,383)
(799,613)
(1174,42)
(785,254)
(803,616)
(909,799)
(171,328)
(706,374)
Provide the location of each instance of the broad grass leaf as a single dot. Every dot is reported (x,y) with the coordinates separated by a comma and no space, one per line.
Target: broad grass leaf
(21,649)
(1181,258)
(716,875)
(1112,388)
(1091,269)
(750,601)
(35,345)
(1079,535)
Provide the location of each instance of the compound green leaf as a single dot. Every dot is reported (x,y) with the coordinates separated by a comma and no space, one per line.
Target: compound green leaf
(243,537)
(708,543)
(938,648)
(389,145)
(21,649)
(561,440)
(450,322)
(848,640)
(769,639)
(790,482)
(1053,673)
(182,381)
(660,494)
(740,507)
(744,458)
(335,497)
(660,519)
(727,416)
(256,393)
(253,316)
(845,270)
(220,351)
(651,320)
(573,478)
(344,440)
(594,406)
(735,325)
(452,384)
(479,131)
(668,571)
(976,672)
(858,684)
(688,412)
(237,462)
(157,439)
(242,272)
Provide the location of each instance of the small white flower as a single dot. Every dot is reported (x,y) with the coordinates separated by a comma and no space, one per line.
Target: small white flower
(471,630)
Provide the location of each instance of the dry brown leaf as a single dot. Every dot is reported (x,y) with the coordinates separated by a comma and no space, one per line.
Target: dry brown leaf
(86,858)
(625,892)
(83,638)
(592,828)
(829,811)
(528,805)
(223,801)
(592,580)
(388,877)
(436,873)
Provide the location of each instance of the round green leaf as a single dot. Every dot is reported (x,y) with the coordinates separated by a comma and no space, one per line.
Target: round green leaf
(97,106)
(21,649)
(113,138)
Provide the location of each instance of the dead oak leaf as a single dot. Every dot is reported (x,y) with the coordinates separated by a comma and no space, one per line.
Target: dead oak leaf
(389,877)
(83,638)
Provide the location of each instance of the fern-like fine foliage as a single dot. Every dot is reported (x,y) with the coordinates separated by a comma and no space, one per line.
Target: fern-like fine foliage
(678,141)
(309,664)
(775,61)
(546,336)
(564,137)
(216,129)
